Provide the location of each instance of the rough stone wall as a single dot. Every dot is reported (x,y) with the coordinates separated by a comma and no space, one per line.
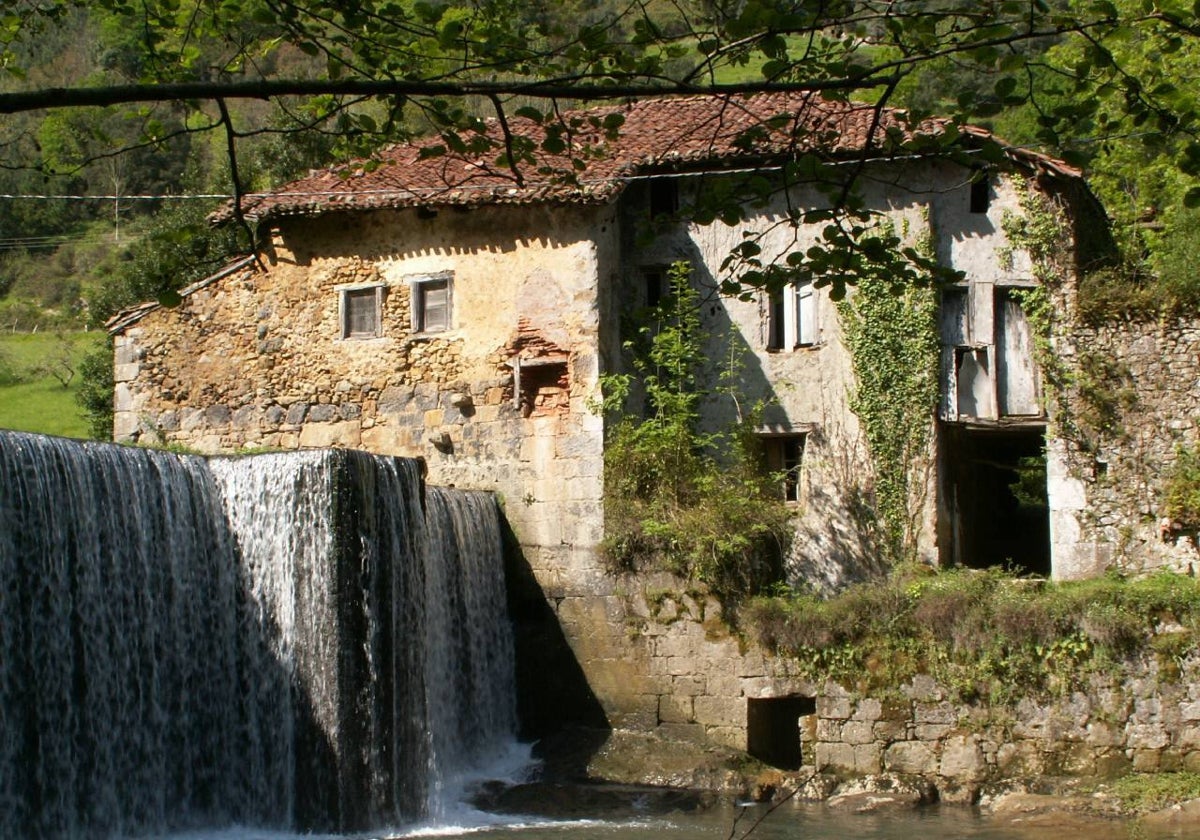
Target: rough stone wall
(1148,721)
(1134,401)
(1145,719)
(257,359)
(670,657)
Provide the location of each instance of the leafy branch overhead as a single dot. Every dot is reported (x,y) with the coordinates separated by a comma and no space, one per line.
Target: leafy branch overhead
(418,55)
(1069,75)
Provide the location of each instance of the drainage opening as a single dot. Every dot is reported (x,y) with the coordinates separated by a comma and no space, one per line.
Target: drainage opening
(773,729)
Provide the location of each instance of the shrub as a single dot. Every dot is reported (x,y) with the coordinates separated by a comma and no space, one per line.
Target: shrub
(1181,497)
(10,372)
(692,503)
(980,634)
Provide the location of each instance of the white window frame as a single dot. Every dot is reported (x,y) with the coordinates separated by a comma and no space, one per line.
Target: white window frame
(419,287)
(796,305)
(355,290)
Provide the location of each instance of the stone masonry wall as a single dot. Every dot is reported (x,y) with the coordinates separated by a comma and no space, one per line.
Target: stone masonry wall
(1146,719)
(1147,722)
(257,359)
(1135,400)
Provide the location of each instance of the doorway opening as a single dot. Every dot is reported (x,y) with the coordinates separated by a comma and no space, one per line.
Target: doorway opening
(995,495)
(773,729)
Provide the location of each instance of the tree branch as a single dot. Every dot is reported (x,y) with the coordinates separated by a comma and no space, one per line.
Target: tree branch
(12,103)
(231,150)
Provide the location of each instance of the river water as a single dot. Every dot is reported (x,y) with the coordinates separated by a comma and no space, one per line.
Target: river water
(789,822)
(306,639)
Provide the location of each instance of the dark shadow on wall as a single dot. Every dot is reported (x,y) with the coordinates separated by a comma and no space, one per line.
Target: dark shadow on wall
(837,545)
(556,706)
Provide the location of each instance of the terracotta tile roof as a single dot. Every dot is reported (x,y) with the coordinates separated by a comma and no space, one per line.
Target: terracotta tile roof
(692,132)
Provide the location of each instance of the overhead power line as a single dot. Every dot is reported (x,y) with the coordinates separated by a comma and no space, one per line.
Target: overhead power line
(169,197)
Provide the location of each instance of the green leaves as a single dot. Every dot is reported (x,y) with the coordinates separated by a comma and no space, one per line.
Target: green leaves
(676,498)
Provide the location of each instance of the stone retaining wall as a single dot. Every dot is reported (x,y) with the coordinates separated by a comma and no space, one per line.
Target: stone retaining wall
(1144,723)
(697,681)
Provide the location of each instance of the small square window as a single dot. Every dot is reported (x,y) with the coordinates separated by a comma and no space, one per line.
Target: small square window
(431,310)
(785,456)
(362,311)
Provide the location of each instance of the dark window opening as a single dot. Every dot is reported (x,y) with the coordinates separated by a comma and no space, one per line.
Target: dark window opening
(654,282)
(361,312)
(664,197)
(776,326)
(785,455)
(792,317)
(541,386)
(974,388)
(981,192)
(996,501)
(774,729)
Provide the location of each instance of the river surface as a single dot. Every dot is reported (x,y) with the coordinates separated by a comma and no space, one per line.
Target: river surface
(799,822)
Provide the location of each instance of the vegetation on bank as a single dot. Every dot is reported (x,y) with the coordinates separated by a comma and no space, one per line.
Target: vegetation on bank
(985,636)
(1143,793)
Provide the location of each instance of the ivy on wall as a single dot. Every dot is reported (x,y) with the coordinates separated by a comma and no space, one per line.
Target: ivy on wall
(891,331)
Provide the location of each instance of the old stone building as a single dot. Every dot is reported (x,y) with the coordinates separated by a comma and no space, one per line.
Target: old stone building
(447,307)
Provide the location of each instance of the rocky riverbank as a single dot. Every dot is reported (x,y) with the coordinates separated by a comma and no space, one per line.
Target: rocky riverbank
(624,773)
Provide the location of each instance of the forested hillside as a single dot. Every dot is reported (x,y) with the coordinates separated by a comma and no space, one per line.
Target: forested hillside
(104,206)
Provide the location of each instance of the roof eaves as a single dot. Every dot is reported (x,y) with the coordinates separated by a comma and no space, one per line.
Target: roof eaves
(131,315)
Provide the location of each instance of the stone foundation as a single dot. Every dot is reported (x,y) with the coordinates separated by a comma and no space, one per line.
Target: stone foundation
(696,682)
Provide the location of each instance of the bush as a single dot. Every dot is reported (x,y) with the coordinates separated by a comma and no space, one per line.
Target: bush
(10,372)
(95,394)
(698,505)
(980,634)
(1181,497)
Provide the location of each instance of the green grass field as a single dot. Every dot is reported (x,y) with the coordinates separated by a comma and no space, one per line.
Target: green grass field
(37,401)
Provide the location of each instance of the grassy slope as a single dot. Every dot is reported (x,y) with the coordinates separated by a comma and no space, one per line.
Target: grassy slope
(40,403)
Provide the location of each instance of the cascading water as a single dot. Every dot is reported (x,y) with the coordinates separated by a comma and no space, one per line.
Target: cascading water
(286,640)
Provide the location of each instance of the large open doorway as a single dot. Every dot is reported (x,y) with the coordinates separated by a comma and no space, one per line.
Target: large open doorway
(994,494)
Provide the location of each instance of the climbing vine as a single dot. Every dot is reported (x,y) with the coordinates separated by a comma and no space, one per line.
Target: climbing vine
(891,331)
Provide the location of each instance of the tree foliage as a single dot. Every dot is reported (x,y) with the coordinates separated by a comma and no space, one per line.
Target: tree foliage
(352,76)
(109,97)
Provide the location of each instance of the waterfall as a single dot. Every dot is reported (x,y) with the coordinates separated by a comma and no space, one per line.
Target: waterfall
(291,640)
